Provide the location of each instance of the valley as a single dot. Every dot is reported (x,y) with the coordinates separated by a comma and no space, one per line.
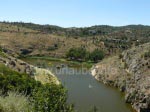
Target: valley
(116,56)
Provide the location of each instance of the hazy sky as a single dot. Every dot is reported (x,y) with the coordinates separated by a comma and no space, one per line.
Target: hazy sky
(70,13)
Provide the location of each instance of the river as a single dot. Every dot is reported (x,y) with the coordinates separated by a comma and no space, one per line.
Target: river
(83,90)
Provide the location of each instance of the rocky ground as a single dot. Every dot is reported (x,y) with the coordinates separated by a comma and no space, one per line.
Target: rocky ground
(40,74)
(130,72)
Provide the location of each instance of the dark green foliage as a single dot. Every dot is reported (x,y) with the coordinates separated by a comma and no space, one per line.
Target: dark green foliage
(50,97)
(80,54)
(44,98)
(25,51)
(1,49)
(147,54)
(120,56)
(11,80)
(96,55)
(1,52)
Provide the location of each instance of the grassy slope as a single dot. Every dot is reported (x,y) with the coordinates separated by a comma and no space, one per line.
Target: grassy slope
(63,60)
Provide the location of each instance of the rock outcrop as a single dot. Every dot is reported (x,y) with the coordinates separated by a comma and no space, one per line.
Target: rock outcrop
(130,72)
(42,75)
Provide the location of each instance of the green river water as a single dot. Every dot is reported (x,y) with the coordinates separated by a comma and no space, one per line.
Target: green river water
(83,90)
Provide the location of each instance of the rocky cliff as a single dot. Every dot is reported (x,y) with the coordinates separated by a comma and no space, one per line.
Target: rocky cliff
(42,75)
(130,72)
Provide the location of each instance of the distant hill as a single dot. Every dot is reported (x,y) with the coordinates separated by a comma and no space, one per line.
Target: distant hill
(48,40)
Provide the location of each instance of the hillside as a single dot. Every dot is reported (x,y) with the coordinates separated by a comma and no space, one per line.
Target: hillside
(39,74)
(126,53)
(28,86)
(19,92)
(130,72)
(27,39)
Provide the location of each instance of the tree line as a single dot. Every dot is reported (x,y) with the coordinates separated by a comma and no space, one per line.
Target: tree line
(81,54)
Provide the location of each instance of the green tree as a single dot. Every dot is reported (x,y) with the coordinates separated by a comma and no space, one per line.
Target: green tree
(96,55)
(78,54)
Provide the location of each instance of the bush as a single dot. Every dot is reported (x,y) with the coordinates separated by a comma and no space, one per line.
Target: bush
(50,98)
(21,103)
(147,54)
(44,98)
(120,56)
(78,54)
(11,80)
(96,55)
(1,49)
(2,53)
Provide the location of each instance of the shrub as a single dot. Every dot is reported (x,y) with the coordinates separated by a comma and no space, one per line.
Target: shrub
(78,54)
(1,49)
(120,56)
(44,98)
(11,80)
(50,98)
(15,102)
(147,54)
(2,54)
(96,55)
(25,51)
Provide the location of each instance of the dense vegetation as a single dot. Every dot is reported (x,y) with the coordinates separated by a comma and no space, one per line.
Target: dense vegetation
(21,104)
(43,98)
(96,55)
(81,54)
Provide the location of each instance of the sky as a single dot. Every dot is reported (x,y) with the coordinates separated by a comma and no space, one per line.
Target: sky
(76,13)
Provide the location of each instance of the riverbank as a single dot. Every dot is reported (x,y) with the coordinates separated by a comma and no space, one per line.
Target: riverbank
(84,91)
(130,73)
(39,74)
(88,64)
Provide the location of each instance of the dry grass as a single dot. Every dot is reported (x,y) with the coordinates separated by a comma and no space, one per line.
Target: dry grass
(13,28)
(25,38)
(14,102)
(45,76)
